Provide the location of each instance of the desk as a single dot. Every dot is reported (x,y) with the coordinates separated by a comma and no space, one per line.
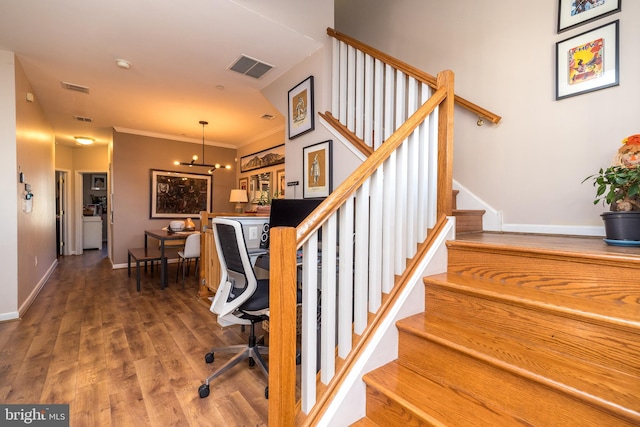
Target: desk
(163,236)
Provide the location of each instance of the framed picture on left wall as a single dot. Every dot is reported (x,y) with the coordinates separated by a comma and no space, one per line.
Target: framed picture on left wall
(179,195)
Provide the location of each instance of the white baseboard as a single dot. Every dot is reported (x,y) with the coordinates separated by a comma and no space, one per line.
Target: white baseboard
(27,303)
(569,230)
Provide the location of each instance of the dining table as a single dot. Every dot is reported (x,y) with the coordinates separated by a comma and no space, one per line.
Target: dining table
(163,235)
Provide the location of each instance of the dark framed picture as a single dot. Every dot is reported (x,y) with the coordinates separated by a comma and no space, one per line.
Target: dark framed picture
(572,13)
(300,117)
(317,164)
(280,184)
(179,195)
(265,158)
(98,182)
(243,184)
(588,61)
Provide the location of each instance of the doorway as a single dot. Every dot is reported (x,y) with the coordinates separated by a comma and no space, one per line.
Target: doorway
(62,226)
(91,210)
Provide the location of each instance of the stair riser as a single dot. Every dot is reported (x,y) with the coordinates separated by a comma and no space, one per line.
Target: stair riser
(531,401)
(583,341)
(565,275)
(385,411)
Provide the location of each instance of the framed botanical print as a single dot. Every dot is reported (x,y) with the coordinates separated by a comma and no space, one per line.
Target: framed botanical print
(572,13)
(587,62)
(300,116)
(317,164)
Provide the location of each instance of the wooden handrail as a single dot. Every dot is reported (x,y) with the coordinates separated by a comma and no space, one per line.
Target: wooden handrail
(413,72)
(347,134)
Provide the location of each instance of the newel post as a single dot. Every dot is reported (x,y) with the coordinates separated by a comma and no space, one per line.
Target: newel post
(282,326)
(445,144)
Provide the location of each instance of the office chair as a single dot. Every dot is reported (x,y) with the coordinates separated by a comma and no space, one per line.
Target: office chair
(241,299)
(190,252)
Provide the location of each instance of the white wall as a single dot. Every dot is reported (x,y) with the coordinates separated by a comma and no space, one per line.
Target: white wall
(502,52)
(8,187)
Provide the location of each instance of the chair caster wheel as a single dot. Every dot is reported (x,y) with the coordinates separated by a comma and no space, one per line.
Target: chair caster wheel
(266,392)
(208,358)
(203,391)
(252,362)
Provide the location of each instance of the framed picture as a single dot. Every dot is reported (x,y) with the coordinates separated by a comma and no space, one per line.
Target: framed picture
(587,62)
(243,184)
(98,182)
(572,13)
(280,184)
(300,111)
(179,195)
(317,165)
(265,158)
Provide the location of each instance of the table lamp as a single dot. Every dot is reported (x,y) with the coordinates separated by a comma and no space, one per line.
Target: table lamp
(238,196)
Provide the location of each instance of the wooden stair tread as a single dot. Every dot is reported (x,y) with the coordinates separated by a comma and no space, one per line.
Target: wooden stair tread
(365,422)
(418,395)
(597,384)
(584,247)
(554,298)
(468,212)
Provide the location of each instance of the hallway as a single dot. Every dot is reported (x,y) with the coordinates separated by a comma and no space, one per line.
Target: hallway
(124,358)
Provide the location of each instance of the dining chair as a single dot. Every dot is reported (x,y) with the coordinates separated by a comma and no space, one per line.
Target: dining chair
(190,252)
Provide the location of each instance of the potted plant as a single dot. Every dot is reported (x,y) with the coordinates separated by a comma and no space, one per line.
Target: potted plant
(619,187)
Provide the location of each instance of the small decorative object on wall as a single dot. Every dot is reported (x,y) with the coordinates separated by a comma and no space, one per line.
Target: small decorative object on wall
(243,183)
(572,13)
(317,165)
(98,182)
(301,116)
(587,62)
(280,184)
(178,195)
(270,157)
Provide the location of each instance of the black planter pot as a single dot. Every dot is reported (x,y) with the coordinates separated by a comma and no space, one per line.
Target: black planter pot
(622,225)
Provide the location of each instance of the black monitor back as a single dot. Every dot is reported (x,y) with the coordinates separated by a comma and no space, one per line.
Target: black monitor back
(291,212)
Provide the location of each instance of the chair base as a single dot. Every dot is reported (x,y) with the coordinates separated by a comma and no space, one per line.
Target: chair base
(250,351)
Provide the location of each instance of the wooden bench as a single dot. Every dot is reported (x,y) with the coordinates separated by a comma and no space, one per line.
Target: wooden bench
(140,255)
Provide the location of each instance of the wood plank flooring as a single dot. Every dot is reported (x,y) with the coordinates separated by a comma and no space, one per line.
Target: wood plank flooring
(123,358)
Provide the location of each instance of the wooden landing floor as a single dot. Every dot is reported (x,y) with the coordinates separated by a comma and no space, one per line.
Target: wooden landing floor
(125,358)
(575,244)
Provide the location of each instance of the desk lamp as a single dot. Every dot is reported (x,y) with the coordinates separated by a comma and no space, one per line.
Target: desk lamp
(238,196)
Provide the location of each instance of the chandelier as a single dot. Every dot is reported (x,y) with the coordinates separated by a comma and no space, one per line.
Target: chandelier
(194,159)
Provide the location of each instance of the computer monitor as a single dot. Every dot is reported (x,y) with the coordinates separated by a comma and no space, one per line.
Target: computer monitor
(291,212)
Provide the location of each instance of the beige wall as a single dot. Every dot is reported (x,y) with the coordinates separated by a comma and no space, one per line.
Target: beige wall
(531,165)
(8,186)
(35,158)
(134,156)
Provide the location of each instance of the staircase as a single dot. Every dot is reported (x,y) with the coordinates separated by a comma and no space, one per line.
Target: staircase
(467,220)
(521,330)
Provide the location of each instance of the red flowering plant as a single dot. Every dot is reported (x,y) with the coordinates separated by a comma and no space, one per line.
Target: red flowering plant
(619,184)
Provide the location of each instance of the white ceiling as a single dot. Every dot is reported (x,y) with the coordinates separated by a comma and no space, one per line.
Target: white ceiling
(179,51)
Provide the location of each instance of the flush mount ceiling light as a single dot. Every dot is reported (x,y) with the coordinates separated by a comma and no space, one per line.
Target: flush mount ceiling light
(123,63)
(84,140)
(195,157)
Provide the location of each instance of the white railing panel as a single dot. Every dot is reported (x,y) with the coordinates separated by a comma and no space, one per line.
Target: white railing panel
(328,300)
(309,322)
(401,178)
(361,261)
(423,179)
(378,96)
(412,172)
(433,170)
(335,77)
(389,105)
(388,223)
(360,79)
(351,89)
(375,242)
(345,279)
(369,100)
(344,88)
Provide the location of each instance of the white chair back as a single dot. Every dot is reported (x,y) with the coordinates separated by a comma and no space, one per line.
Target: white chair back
(192,246)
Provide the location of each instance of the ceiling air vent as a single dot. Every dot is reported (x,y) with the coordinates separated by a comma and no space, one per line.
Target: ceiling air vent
(267,117)
(250,67)
(83,119)
(77,88)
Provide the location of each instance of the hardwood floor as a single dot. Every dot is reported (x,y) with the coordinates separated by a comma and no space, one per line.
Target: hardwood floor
(124,358)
